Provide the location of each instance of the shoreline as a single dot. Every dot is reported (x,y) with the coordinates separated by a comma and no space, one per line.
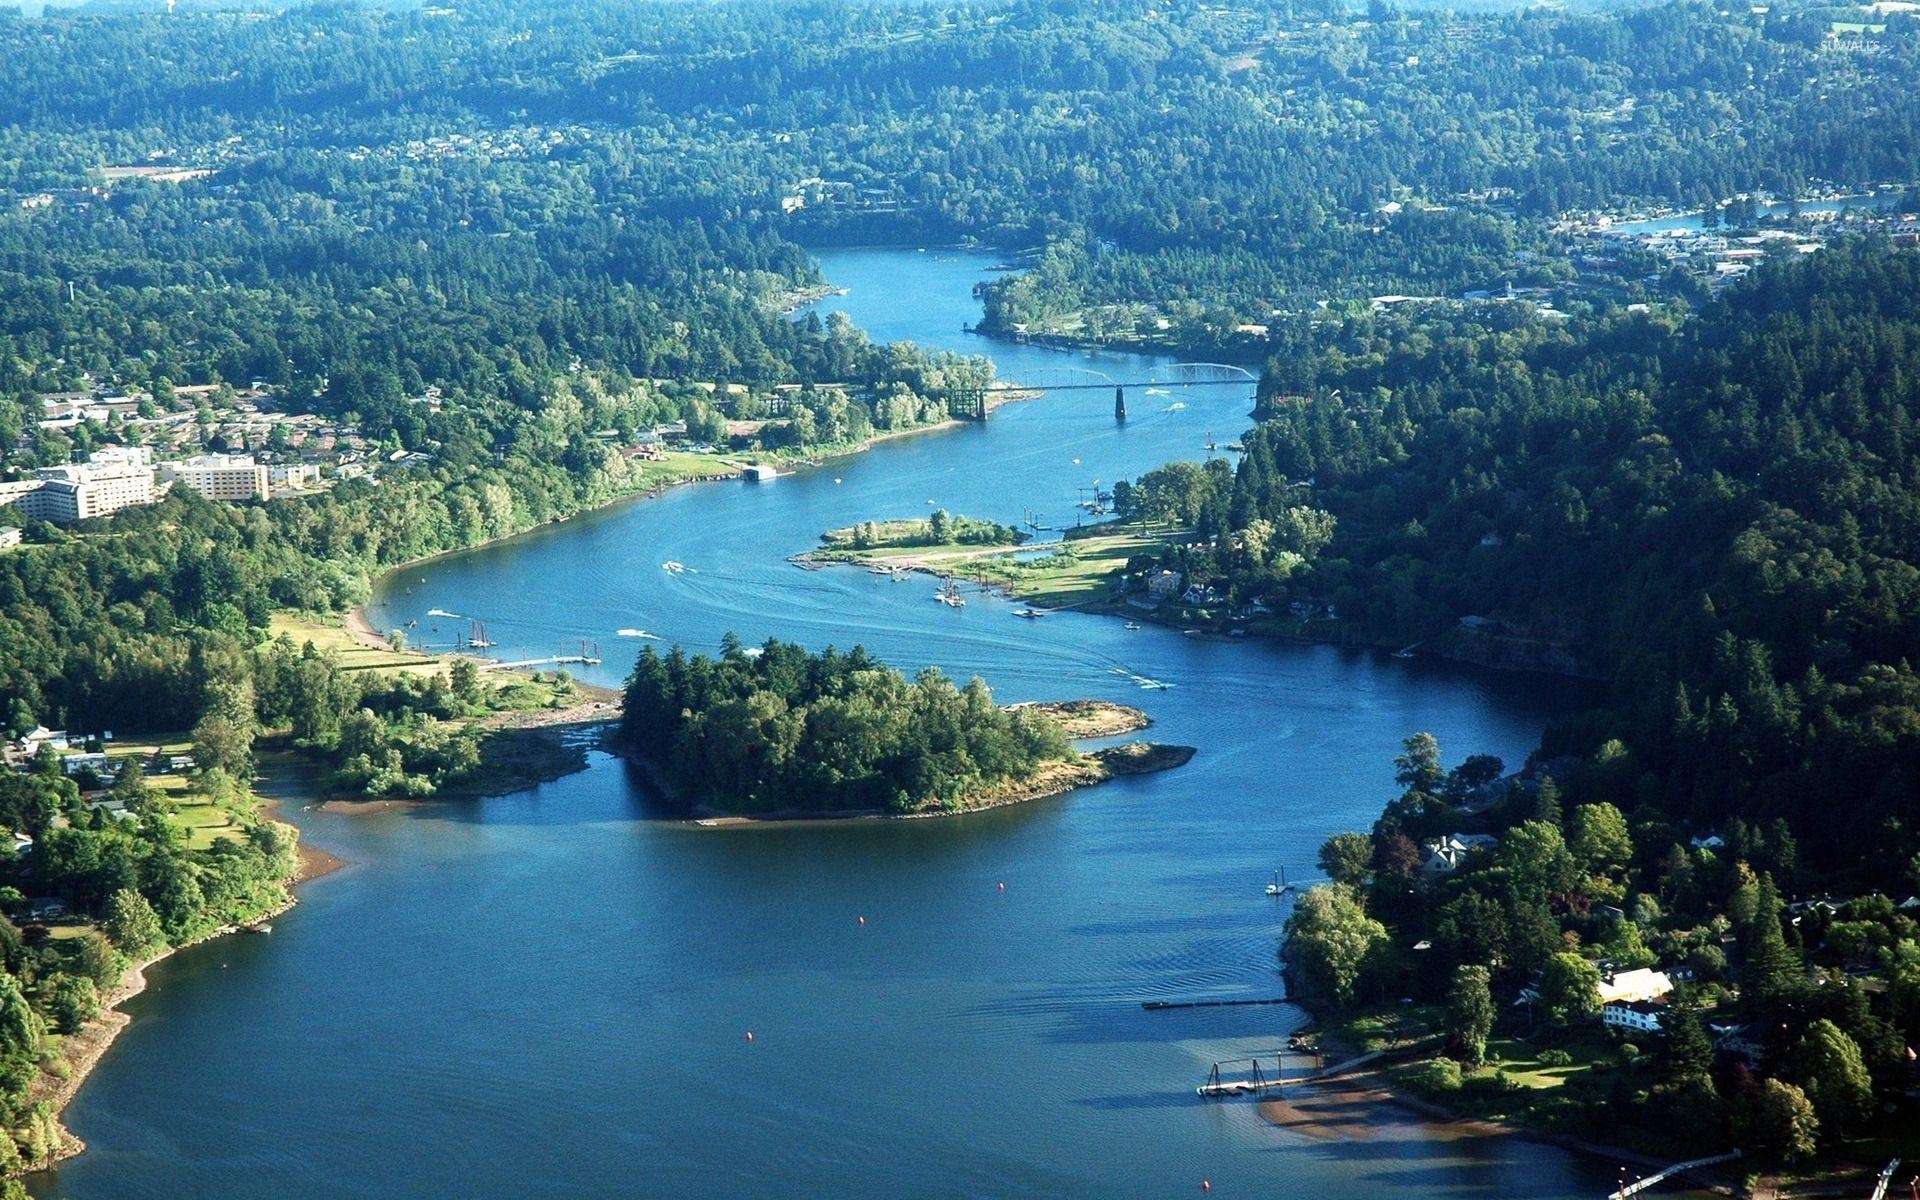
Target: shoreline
(358,624)
(1069,775)
(1372,1086)
(815,559)
(84,1049)
(1350,1106)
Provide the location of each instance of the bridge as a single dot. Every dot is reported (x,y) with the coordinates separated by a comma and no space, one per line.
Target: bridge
(1086,379)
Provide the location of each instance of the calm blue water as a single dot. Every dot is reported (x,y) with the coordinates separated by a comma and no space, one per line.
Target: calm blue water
(548,994)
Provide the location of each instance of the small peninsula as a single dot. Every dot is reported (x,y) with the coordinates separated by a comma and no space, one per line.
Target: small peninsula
(777,732)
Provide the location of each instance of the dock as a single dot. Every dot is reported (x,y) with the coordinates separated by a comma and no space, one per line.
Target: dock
(557,660)
(1163,1005)
(1256,1081)
(1641,1185)
(589,656)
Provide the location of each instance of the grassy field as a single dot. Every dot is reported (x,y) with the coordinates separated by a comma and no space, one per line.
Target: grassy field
(206,822)
(1071,574)
(509,691)
(330,635)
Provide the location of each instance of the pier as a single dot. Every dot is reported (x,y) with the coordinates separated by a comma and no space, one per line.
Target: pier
(584,658)
(1256,1081)
(1162,1005)
(1641,1185)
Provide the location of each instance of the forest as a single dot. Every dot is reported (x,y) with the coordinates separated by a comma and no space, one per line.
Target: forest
(1716,515)
(636,177)
(781,730)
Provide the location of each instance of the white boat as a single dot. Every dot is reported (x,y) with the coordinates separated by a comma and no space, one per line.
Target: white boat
(1031,614)
(1279,886)
(1131,625)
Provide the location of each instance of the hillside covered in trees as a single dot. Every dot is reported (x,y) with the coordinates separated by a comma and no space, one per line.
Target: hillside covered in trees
(520,185)
(1717,515)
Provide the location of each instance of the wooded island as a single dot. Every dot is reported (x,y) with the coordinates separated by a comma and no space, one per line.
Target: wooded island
(777,731)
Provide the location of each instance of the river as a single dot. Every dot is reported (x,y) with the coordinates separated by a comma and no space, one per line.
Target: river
(547,995)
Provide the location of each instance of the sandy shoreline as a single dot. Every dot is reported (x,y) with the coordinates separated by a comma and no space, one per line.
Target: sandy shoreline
(84,1049)
(1362,1106)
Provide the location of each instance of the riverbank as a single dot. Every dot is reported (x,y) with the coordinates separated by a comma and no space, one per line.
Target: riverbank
(1367,1105)
(83,1050)
(1080,575)
(361,626)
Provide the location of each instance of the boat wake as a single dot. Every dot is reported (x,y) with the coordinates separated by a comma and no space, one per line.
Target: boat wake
(1146,681)
(638,633)
(441,612)
(677,568)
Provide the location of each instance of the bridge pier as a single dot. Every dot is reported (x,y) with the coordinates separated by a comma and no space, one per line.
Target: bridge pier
(1120,403)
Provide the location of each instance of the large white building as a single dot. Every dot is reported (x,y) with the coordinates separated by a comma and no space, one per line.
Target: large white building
(115,478)
(294,476)
(1641,1015)
(219,476)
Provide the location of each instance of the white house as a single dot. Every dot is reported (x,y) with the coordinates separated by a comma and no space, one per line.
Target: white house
(40,735)
(73,764)
(1163,585)
(1640,1015)
(1445,855)
(1643,985)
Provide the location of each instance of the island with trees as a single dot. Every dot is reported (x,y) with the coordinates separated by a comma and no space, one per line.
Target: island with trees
(776,731)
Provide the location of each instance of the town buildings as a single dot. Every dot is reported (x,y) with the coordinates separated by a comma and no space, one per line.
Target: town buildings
(115,478)
(218,476)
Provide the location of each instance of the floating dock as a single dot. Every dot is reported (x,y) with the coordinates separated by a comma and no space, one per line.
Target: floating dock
(1161,1005)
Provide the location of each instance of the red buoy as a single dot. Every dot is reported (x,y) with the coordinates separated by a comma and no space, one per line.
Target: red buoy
(1206,1185)
(863,920)
(1003,887)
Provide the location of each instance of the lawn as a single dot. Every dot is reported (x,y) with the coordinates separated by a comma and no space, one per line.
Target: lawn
(329,634)
(1070,574)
